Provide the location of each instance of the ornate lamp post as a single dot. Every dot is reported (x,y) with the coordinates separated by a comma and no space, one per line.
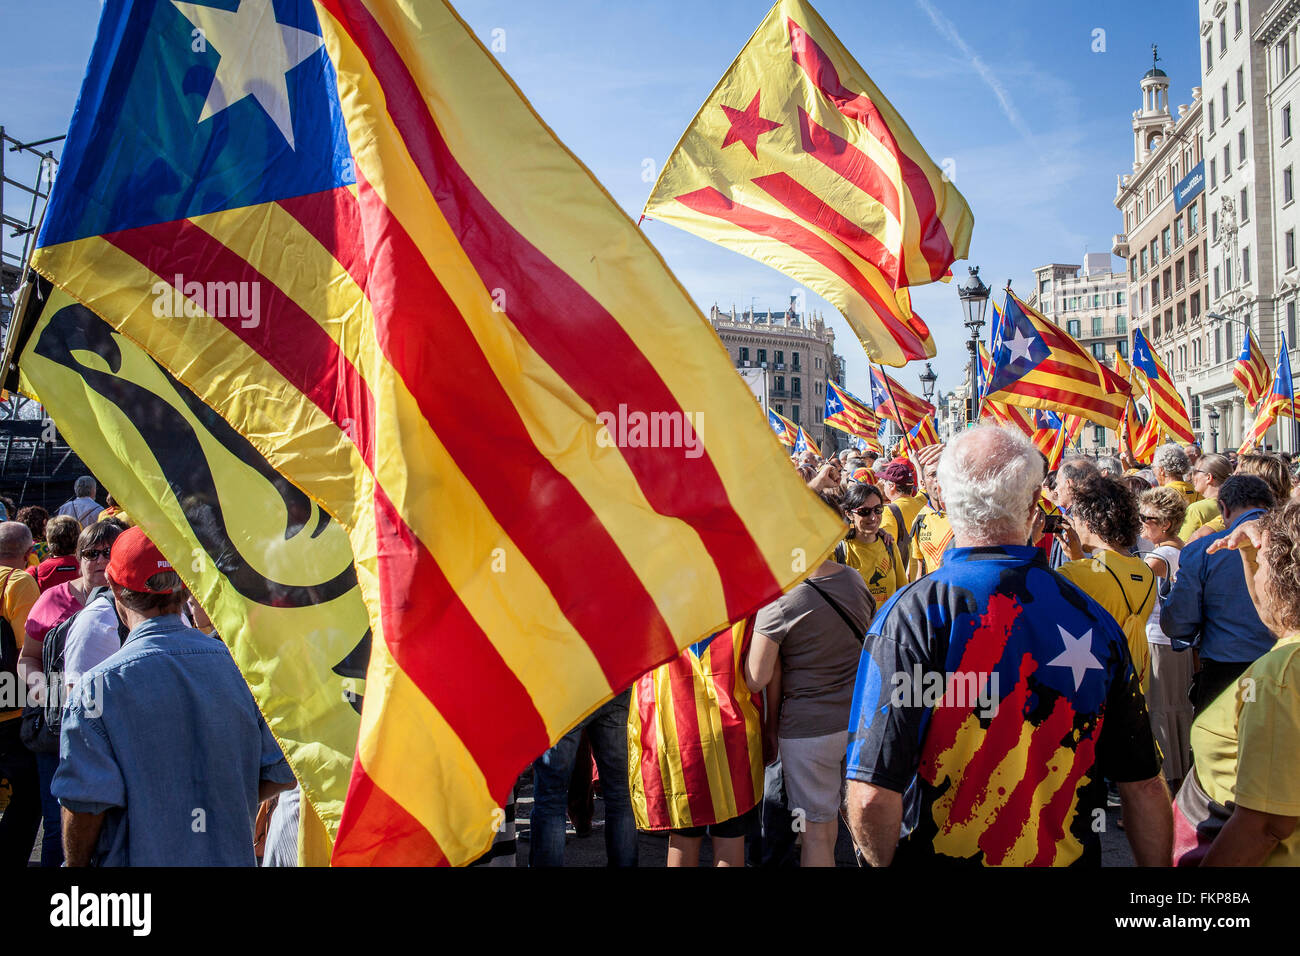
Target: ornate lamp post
(1213,415)
(974,296)
(928,378)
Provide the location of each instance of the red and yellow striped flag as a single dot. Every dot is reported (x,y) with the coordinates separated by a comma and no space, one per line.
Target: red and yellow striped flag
(1167,406)
(896,403)
(1279,402)
(695,741)
(797,160)
(1251,373)
(850,414)
(540,511)
(1001,412)
(923,434)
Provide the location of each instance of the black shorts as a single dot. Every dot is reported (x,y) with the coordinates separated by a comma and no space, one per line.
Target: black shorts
(726,830)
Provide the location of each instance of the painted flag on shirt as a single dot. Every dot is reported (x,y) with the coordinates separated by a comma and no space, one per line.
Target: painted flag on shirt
(1251,372)
(787,432)
(1167,406)
(343,228)
(896,403)
(850,414)
(695,740)
(1036,364)
(1279,402)
(797,160)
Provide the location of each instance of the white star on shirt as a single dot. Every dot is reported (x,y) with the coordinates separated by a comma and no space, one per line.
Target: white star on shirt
(256,53)
(1077,655)
(1019,346)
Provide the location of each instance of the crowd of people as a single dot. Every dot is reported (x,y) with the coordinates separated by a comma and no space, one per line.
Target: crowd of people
(992,654)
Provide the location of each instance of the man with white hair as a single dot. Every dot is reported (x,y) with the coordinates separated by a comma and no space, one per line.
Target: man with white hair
(1172,467)
(1110,467)
(83,507)
(998,696)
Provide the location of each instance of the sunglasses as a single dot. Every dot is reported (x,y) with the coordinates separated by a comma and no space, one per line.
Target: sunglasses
(96,553)
(868,512)
(1148,519)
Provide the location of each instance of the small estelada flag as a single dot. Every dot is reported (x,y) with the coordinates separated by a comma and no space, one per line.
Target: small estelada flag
(797,160)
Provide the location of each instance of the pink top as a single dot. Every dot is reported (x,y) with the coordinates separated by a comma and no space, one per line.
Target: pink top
(51,608)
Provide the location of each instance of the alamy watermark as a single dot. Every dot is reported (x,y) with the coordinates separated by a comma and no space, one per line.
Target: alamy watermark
(637,429)
(966,690)
(220,300)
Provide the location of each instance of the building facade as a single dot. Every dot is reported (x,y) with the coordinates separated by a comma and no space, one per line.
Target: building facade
(797,352)
(1166,245)
(1091,302)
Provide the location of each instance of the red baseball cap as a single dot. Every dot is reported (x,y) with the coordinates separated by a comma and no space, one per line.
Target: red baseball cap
(134,560)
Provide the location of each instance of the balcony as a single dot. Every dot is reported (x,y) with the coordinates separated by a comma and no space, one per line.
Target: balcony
(780,366)
(1119,245)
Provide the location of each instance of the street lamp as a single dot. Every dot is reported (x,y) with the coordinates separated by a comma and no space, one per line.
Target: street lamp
(974,296)
(1214,428)
(928,378)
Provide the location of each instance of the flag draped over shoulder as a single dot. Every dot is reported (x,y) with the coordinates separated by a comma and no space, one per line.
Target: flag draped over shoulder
(1036,364)
(797,160)
(1251,373)
(850,414)
(344,229)
(695,745)
(1278,402)
(273,570)
(1167,406)
(896,403)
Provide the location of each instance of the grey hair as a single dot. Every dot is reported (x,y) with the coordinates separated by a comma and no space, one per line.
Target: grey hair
(1172,459)
(85,487)
(990,476)
(1110,467)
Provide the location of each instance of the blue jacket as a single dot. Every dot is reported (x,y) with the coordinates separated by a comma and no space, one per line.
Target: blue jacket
(1209,601)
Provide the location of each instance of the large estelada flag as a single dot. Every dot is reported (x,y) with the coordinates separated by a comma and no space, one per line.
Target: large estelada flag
(1167,406)
(695,745)
(1036,364)
(275,573)
(896,403)
(344,229)
(850,414)
(1251,372)
(1279,402)
(1000,412)
(797,160)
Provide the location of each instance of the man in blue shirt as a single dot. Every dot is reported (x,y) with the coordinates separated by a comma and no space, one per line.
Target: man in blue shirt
(164,755)
(1210,607)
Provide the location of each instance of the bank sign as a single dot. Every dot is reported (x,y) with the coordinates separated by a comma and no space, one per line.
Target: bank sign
(1189,187)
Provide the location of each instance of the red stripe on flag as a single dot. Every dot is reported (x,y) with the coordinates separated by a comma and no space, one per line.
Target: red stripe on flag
(605,367)
(401,840)
(710,202)
(294,344)
(1069,402)
(652,781)
(727,684)
(333,218)
(934,242)
(813,210)
(686,723)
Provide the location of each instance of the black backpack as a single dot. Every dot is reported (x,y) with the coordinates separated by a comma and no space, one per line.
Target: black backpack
(41,725)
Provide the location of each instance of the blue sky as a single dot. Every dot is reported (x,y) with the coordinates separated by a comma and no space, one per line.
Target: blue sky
(1036,122)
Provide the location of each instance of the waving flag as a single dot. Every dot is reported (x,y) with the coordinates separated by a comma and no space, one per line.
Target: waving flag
(1279,402)
(923,434)
(1251,371)
(695,744)
(1037,365)
(350,236)
(803,443)
(786,431)
(797,160)
(885,392)
(1166,405)
(848,413)
(1001,412)
(1053,433)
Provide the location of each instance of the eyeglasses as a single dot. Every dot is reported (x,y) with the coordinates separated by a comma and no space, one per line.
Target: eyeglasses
(1148,519)
(878,510)
(96,553)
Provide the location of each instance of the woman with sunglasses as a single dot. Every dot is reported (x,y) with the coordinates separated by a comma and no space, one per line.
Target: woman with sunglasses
(1162,511)
(868,550)
(51,609)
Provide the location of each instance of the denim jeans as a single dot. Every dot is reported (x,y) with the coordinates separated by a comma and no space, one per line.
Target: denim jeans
(607,731)
(52,841)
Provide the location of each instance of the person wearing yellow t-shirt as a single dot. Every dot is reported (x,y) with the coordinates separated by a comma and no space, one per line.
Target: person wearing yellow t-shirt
(1171,468)
(898,481)
(1209,472)
(1240,804)
(18,592)
(1105,520)
(868,550)
(931,533)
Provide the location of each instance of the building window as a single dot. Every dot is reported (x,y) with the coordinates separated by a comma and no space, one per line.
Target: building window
(1122,347)
(796,361)
(1119,299)
(1236,15)
(1244,207)
(1096,325)
(1072,327)
(1287,194)
(1227,162)
(780,408)
(1178,275)
(1193,220)
(1178,232)
(1214,176)
(1182,358)
(1132,267)
(1290,249)
(1164,243)
(797,382)
(1241,147)
(1155,257)
(1193,260)
(762,356)
(1283,56)
(1227,273)
(780,383)
(794,414)
(1121,324)
(1195,303)
(1099,350)
(1216,282)
(1241,86)
(1290,323)
(1245,264)
(1168,286)
(1286,122)
(744,355)
(779,358)
(1143,254)
(1223,101)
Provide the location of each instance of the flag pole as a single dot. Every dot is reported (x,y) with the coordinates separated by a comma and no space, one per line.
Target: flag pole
(898,418)
(997,343)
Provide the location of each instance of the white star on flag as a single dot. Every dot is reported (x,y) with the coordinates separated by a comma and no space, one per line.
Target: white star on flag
(1077,655)
(256,53)
(1019,346)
